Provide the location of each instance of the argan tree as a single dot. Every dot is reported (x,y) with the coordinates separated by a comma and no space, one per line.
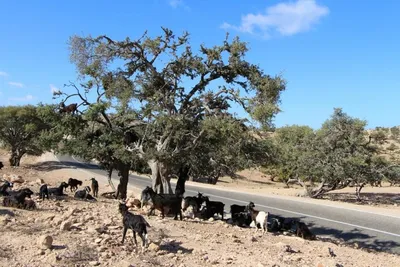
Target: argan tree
(20,129)
(165,92)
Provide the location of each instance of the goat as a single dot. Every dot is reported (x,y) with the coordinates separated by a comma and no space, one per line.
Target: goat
(58,191)
(303,231)
(17,200)
(1,165)
(212,207)
(73,183)
(43,192)
(195,202)
(84,194)
(71,108)
(95,187)
(134,222)
(173,203)
(28,192)
(242,219)
(258,217)
(29,204)
(4,187)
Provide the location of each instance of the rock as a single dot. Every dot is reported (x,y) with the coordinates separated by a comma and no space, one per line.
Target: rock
(253,239)
(45,241)
(98,240)
(260,264)
(16,179)
(40,181)
(94,263)
(211,219)
(65,226)
(154,247)
(133,202)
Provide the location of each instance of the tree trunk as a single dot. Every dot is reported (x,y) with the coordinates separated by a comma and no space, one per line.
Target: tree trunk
(15,158)
(109,174)
(358,191)
(123,173)
(159,177)
(183,176)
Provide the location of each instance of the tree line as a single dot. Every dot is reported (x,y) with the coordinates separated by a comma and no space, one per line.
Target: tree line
(155,105)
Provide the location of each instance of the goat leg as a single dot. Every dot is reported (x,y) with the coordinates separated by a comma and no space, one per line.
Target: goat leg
(124,234)
(134,237)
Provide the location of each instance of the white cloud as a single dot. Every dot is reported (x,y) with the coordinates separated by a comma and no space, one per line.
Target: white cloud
(285,18)
(4,74)
(177,3)
(26,98)
(16,84)
(54,89)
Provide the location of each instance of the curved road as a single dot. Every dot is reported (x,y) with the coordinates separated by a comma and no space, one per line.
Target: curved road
(368,229)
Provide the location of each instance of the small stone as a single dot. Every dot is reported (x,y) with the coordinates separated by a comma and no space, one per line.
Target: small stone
(211,219)
(65,226)
(40,181)
(154,247)
(98,240)
(94,263)
(46,241)
(253,239)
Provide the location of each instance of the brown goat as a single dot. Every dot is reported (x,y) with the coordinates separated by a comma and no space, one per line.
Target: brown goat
(71,108)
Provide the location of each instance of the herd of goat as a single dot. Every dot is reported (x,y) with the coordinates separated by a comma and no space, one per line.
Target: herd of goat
(22,198)
(201,207)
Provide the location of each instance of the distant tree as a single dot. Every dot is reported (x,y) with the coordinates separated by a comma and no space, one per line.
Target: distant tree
(379,137)
(291,143)
(339,153)
(392,147)
(163,92)
(395,131)
(20,129)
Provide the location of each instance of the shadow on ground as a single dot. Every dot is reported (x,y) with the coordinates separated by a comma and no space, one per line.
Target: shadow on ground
(366,198)
(355,238)
(57,165)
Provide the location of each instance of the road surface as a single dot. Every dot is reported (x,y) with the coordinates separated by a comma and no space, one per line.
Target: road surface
(370,230)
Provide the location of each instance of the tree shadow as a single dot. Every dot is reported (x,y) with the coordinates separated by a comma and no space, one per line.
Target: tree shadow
(354,238)
(174,246)
(7,212)
(366,198)
(57,165)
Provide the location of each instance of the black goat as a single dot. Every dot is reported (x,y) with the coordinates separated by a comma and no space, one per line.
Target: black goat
(4,187)
(95,187)
(84,194)
(73,184)
(161,203)
(1,165)
(57,191)
(303,231)
(212,207)
(195,202)
(134,222)
(18,200)
(44,192)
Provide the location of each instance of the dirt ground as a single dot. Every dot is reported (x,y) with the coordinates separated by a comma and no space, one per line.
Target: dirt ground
(89,234)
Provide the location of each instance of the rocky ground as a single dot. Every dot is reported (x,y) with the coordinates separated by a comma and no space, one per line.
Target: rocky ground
(69,232)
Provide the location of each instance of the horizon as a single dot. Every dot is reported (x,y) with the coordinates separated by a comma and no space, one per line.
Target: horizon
(331,53)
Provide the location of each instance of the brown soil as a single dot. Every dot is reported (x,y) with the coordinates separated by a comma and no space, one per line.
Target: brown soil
(96,232)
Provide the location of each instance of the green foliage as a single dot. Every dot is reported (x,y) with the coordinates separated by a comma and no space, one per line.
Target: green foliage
(20,131)
(141,88)
(395,131)
(336,155)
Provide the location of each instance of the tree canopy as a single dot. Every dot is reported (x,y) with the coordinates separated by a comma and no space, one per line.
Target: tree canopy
(20,130)
(338,154)
(157,101)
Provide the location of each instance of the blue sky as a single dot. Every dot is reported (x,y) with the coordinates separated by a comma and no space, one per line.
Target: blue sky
(333,53)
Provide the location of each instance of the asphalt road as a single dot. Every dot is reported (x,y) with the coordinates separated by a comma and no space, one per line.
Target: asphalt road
(370,230)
